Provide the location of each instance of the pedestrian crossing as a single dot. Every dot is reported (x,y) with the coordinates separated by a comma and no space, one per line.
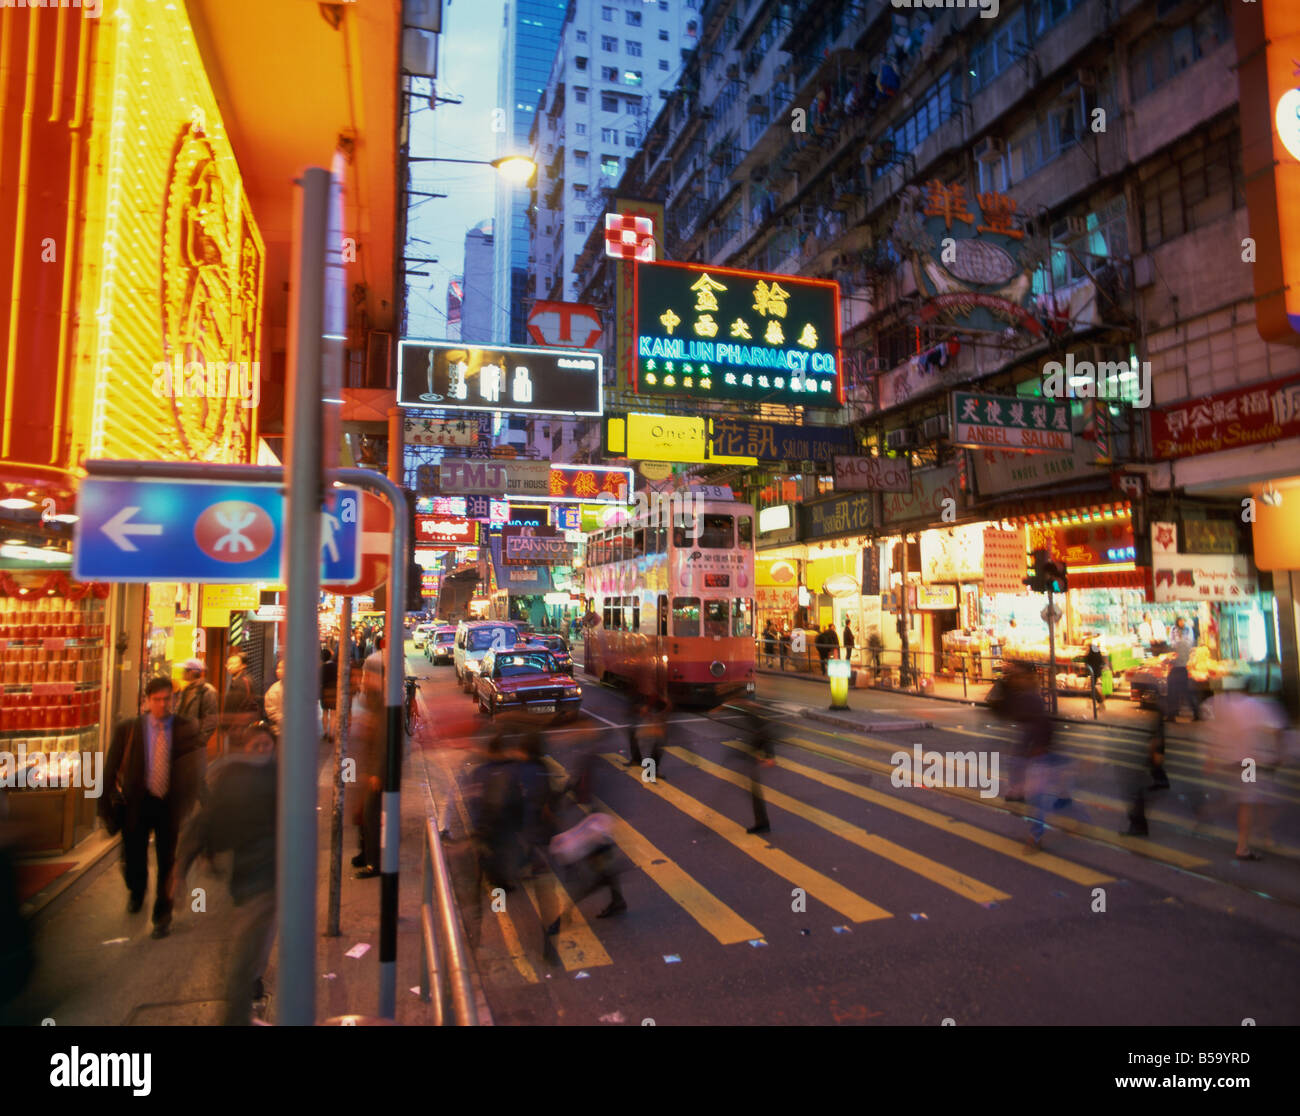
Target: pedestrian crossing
(705,891)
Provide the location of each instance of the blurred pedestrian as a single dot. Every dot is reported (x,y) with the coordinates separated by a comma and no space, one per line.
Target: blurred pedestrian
(329,691)
(784,641)
(1178,685)
(590,854)
(243,699)
(649,715)
(1244,750)
(848,640)
(1017,699)
(827,643)
(239,816)
(155,764)
(769,643)
(1154,770)
(1096,662)
(198,702)
(497,814)
(537,800)
(756,731)
(274,701)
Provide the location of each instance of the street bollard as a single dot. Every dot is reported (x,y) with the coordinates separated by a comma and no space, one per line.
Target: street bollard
(839,671)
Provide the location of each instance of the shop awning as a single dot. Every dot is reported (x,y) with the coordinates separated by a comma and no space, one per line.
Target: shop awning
(521,580)
(1044,509)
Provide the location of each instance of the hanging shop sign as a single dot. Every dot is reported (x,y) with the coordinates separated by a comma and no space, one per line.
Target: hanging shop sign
(567,325)
(933,598)
(718,333)
(535,546)
(537,381)
(571,483)
(1268,44)
(776,573)
(434,528)
(625,274)
(1004,561)
(851,514)
(872,474)
(1001,421)
(952,553)
(439,432)
(464,507)
(777,524)
(871,570)
(1087,545)
(664,438)
(928,499)
(1211,536)
(1245,417)
(527,479)
(771,441)
(967,255)
(998,471)
(217,602)
(1197,577)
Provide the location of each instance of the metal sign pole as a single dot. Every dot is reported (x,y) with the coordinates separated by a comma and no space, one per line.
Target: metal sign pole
(296,992)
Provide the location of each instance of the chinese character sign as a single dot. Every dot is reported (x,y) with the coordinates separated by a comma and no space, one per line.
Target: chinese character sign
(450,376)
(1268,412)
(1010,422)
(718,333)
(590,484)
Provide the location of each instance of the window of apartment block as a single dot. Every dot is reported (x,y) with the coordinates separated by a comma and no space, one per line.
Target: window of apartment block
(633,48)
(580,62)
(579,187)
(629,139)
(663,36)
(663,63)
(580,158)
(632,77)
(607,14)
(609,166)
(609,135)
(999,51)
(1167,52)
(579,128)
(663,5)
(609,73)
(582,36)
(1198,183)
(580,226)
(608,43)
(1046,14)
(633,19)
(608,102)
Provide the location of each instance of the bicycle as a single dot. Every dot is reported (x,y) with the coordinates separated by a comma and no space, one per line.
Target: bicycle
(410,711)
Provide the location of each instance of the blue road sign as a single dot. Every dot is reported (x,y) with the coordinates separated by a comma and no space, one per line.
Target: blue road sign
(151,530)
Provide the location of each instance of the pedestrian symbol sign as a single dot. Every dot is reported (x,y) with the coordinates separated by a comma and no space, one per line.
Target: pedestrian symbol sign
(151,530)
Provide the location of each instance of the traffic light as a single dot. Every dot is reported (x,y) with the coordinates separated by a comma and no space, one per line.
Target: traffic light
(1048,576)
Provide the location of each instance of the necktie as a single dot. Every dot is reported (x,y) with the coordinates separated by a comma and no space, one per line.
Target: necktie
(159,770)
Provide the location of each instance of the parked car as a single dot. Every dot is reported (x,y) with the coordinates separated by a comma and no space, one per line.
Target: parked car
(421,634)
(526,680)
(474,639)
(558,648)
(439,645)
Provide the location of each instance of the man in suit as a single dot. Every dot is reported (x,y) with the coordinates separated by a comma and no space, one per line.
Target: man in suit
(158,761)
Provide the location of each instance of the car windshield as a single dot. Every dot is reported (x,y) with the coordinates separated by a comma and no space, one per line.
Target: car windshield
(517,664)
(555,643)
(491,639)
(445,637)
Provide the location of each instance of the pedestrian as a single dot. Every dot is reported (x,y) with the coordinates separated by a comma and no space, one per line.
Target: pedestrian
(651,729)
(757,733)
(848,640)
(1155,771)
(537,801)
(828,643)
(198,702)
(153,774)
(1096,663)
(497,815)
(769,643)
(243,704)
(329,691)
(275,700)
(1178,685)
(1244,749)
(239,816)
(1151,633)
(1023,705)
(784,645)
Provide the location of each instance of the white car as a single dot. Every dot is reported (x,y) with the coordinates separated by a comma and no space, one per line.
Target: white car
(421,634)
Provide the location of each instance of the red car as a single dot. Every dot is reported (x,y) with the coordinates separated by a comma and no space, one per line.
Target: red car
(526,680)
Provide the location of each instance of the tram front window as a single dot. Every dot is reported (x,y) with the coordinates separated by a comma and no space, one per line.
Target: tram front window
(716,533)
(716,618)
(686,616)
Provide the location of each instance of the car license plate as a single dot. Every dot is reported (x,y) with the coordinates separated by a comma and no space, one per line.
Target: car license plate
(549,707)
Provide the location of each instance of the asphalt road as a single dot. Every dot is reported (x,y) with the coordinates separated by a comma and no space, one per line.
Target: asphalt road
(874,903)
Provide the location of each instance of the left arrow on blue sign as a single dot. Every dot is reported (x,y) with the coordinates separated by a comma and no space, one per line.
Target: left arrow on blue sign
(146,530)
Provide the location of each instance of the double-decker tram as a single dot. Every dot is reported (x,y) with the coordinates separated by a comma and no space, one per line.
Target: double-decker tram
(673,601)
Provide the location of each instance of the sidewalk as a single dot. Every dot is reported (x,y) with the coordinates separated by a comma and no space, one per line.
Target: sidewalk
(98,965)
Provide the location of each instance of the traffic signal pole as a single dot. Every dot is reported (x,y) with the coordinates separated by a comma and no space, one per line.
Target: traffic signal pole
(1051,651)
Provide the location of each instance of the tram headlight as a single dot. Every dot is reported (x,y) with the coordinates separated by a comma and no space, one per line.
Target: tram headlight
(717,668)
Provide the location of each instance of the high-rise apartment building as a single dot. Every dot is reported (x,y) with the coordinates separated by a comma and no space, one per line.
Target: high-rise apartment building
(529,36)
(478,301)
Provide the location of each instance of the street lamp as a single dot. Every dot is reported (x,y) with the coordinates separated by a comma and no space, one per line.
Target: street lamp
(515,168)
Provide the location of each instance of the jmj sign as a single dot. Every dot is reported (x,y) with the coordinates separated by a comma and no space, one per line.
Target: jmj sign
(495,478)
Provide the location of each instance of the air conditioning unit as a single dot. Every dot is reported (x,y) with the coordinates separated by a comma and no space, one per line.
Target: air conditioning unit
(900,439)
(934,427)
(990,149)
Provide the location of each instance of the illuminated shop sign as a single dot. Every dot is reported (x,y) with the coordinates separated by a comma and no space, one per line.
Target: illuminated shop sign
(773,441)
(718,333)
(664,438)
(452,376)
(464,507)
(1008,422)
(570,483)
(431,528)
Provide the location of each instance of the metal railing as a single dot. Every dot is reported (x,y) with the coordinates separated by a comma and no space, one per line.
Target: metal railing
(442,929)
